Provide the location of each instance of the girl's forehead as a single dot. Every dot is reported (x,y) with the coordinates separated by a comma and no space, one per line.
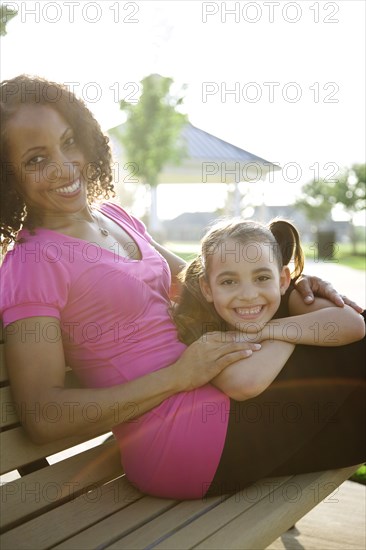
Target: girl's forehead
(236,257)
(234,250)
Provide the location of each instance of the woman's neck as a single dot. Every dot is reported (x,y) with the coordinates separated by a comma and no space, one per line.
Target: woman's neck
(63,220)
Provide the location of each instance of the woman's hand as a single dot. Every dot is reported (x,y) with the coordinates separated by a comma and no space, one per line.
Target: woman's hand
(208,356)
(310,285)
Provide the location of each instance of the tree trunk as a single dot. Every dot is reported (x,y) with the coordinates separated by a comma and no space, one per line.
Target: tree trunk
(155,225)
(353,237)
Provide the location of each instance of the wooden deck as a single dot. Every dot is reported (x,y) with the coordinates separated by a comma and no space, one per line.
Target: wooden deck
(337,523)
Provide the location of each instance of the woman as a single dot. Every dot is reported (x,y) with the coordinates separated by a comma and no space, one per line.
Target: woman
(86,286)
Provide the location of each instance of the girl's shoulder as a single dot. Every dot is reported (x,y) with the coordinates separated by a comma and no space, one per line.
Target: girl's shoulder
(283,310)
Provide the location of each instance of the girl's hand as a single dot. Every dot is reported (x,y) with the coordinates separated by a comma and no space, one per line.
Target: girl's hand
(208,356)
(310,285)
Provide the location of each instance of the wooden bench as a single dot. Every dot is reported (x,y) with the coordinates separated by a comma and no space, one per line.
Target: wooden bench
(85,501)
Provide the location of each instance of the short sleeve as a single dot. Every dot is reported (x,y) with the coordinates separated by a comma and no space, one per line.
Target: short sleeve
(32,284)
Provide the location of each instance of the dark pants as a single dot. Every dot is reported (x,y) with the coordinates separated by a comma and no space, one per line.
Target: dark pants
(312,417)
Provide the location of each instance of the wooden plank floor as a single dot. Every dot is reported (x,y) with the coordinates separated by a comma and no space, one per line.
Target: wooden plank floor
(337,523)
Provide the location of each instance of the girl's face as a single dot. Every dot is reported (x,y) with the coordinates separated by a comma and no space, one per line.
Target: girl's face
(244,283)
(49,165)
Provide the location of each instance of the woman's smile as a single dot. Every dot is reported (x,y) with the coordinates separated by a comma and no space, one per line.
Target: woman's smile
(70,190)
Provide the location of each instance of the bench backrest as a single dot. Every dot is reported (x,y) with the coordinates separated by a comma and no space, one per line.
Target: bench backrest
(43,483)
(18,452)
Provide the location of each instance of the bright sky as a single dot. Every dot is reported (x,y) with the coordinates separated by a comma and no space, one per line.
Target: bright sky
(295,70)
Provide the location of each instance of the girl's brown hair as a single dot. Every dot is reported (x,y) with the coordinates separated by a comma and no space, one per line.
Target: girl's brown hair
(26,90)
(195,316)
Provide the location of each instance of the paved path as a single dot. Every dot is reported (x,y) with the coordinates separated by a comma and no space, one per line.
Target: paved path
(348,281)
(337,523)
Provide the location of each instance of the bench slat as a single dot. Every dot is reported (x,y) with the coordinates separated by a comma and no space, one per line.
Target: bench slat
(246,531)
(37,492)
(161,527)
(20,450)
(236,506)
(202,527)
(75,516)
(120,523)
(184,531)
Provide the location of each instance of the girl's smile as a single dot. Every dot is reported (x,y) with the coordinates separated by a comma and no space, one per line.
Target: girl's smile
(244,289)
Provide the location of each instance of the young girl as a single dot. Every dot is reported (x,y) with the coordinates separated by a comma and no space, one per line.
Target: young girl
(242,282)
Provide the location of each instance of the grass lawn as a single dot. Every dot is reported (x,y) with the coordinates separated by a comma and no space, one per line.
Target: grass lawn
(360,475)
(342,254)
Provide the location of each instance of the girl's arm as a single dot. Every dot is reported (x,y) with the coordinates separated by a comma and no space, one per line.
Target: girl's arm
(318,324)
(250,377)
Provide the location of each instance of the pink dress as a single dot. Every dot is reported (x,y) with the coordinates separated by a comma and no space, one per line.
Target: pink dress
(114,316)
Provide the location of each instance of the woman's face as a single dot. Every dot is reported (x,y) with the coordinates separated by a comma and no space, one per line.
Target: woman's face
(48,163)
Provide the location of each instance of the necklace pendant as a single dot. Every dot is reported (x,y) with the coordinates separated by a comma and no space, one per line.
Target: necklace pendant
(104,232)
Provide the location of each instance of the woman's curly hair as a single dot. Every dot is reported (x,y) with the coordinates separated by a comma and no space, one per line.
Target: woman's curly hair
(193,315)
(28,90)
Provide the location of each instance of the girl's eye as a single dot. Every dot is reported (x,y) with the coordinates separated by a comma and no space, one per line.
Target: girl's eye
(228,282)
(263,278)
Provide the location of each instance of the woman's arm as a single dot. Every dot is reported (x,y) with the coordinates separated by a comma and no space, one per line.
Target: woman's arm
(250,377)
(318,324)
(310,285)
(36,367)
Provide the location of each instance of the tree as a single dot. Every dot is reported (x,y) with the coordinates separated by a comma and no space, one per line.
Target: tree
(314,200)
(6,14)
(151,134)
(348,190)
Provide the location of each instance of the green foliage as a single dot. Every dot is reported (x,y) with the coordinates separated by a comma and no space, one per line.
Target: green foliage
(6,14)
(360,475)
(315,201)
(320,196)
(348,190)
(152,129)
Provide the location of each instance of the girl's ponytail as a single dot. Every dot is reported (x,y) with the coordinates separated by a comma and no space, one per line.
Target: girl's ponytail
(288,240)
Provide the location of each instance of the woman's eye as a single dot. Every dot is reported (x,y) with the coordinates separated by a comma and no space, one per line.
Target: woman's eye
(70,141)
(263,278)
(35,160)
(228,282)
